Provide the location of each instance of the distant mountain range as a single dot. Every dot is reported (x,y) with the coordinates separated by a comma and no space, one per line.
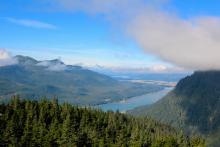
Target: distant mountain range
(194,106)
(32,79)
(137,75)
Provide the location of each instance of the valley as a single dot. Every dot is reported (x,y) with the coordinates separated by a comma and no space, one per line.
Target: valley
(109,73)
(137,101)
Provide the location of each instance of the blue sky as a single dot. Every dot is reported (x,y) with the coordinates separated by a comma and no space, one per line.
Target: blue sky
(32,28)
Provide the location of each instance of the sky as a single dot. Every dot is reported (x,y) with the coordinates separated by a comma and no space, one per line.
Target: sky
(156,35)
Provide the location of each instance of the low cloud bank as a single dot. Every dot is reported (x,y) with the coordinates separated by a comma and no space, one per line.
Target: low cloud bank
(6,58)
(53,66)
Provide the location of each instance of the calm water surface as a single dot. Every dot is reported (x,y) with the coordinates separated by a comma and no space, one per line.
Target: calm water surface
(134,102)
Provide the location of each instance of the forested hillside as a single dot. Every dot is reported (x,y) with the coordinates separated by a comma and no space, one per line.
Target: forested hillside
(194,106)
(46,123)
(33,79)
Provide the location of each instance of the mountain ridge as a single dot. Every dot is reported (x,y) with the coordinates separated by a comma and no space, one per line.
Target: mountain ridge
(194,106)
(52,78)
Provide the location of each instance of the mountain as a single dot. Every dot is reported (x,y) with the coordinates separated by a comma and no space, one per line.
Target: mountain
(47,123)
(194,106)
(31,78)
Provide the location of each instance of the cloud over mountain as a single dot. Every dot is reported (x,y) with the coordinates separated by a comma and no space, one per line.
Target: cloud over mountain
(6,58)
(193,43)
(53,65)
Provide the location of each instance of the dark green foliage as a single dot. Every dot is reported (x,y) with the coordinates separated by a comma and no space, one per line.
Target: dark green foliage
(194,106)
(46,123)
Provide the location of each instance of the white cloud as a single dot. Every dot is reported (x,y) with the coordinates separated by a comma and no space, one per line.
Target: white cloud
(6,58)
(192,43)
(158,68)
(31,23)
(53,66)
